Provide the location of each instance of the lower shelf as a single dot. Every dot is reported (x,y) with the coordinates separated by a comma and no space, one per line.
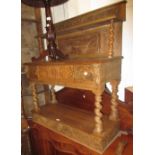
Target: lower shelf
(78,125)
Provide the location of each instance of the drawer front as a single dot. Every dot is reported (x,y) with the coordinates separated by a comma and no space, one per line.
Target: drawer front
(82,76)
(84,73)
(55,73)
(66,74)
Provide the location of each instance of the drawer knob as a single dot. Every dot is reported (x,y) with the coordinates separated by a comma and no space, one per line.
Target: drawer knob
(85,73)
(84,96)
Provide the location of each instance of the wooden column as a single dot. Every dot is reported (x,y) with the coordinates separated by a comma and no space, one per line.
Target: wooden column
(98,115)
(111,39)
(114,102)
(35,98)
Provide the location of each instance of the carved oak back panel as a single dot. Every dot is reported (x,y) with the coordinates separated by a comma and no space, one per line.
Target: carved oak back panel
(97,33)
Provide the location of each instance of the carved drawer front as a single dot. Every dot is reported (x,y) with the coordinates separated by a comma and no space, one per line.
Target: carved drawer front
(63,73)
(55,73)
(84,73)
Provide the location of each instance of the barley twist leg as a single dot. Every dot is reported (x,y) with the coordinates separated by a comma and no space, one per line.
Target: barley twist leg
(35,98)
(98,114)
(114,101)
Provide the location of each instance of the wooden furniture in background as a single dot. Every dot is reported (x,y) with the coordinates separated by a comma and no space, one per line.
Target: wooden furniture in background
(85,100)
(93,41)
(52,50)
(129,95)
(47,142)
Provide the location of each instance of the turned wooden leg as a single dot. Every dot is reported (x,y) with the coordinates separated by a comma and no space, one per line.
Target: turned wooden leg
(35,98)
(114,101)
(98,114)
(53,96)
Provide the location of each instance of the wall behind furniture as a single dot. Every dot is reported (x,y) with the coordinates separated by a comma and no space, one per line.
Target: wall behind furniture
(28,33)
(76,7)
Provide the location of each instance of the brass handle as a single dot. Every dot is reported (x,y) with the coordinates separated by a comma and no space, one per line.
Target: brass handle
(120,147)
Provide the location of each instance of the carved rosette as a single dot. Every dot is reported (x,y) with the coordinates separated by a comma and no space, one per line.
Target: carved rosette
(84,72)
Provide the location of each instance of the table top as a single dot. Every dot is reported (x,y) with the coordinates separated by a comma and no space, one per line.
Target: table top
(82,61)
